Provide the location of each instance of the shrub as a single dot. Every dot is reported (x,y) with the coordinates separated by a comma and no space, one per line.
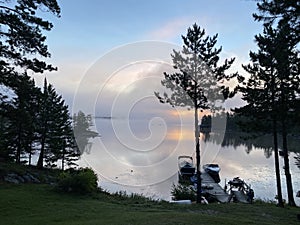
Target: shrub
(83,180)
(183,192)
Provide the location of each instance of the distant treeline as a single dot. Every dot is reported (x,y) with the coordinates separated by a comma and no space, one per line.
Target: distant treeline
(231,122)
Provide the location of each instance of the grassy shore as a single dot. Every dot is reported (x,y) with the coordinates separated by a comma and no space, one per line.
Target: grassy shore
(36,204)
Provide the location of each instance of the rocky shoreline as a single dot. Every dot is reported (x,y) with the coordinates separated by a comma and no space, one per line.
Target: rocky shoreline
(27,175)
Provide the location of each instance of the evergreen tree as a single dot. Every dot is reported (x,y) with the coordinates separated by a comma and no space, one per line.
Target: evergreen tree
(20,116)
(5,151)
(22,45)
(199,82)
(286,16)
(21,36)
(278,12)
(260,92)
(63,146)
(55,130)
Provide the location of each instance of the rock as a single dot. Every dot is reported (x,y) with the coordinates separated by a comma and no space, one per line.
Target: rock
(14,178)
(31,179)
(11,180)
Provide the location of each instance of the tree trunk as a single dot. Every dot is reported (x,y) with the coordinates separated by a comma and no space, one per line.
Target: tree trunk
(197,157)
(289,184)
(275,140)
(277,170)
(18,153)
(283,118)
(40,163)
(63,157)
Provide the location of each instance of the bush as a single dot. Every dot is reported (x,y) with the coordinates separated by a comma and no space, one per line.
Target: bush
(82,181)
(183,192)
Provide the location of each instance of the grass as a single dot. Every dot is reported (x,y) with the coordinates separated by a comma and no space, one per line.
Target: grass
(36,204)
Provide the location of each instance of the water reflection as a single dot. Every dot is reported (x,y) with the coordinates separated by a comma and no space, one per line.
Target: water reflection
(135,167)
(264,142)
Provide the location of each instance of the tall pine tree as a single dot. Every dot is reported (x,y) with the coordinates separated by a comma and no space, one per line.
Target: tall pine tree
(199,80)
(260,91)
(21,114)
(285,16)
(281,22)
(55,130)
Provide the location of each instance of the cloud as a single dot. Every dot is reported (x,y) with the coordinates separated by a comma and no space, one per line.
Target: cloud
(171,29)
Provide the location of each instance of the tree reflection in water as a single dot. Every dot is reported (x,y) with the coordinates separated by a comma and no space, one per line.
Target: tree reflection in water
(263,142)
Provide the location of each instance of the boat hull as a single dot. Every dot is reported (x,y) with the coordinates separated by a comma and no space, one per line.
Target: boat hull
(213,170)
(186,168)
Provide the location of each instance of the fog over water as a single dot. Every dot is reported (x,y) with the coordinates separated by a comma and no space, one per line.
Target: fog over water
(143,159)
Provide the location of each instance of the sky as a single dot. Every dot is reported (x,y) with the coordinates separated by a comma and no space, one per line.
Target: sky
(89,37)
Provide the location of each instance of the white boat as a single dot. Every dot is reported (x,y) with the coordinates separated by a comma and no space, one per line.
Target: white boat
(213,168)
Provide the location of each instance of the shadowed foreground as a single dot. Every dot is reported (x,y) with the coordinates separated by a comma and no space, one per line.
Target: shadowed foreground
(40,204)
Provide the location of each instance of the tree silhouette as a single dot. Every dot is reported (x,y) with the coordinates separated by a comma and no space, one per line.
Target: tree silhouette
(82,131)
(199,82)
(23,115)
(55,130)
(260,91)
(21,37)
(285,15)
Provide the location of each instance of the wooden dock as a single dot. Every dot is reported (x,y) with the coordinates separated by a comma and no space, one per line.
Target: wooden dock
(212,188)
(238,191)
(240,196)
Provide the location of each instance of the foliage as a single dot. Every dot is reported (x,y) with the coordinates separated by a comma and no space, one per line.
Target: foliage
(36,122)
(199,80)
(55,130)
(81,181)
(21,115)
(272,91)
(31,117)
(122,197)
(278,12)
(21,37)
(183,192)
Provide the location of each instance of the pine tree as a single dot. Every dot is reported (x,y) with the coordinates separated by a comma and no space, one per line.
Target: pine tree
(199,82)
(260,92)
(5,151)
(21,37)
(21,114)
(22,45)
(55,130)
(284,18)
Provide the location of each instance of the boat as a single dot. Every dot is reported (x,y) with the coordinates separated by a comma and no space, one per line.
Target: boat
(213,170)
(240,191)
(186,167)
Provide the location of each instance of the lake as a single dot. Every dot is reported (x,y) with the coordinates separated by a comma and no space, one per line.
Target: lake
(139,155)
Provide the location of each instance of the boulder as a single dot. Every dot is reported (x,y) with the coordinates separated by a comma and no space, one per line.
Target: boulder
(14,178)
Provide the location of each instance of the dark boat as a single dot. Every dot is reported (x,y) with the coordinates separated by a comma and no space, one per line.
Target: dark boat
(186,167)
(240,191)
(213,170)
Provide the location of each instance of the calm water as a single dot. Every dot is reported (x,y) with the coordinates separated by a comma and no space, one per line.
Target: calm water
(140,155)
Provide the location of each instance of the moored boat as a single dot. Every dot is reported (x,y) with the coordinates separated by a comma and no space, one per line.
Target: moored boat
(213,170)
(186,167)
